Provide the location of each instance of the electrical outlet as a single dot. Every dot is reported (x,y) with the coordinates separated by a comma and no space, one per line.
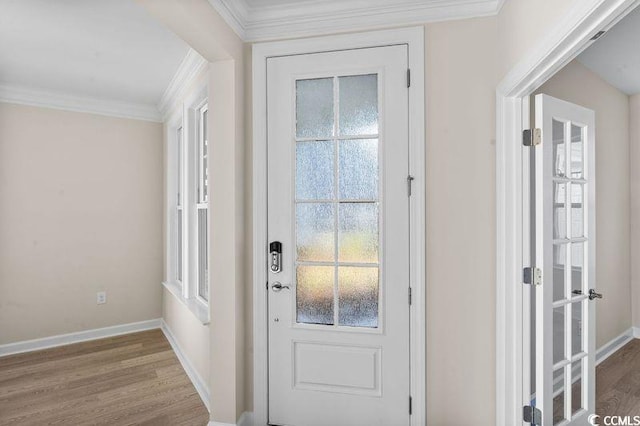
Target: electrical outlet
(102,297)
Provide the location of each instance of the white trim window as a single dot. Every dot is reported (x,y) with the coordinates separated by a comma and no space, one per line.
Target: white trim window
(202,205)
(179,225)
(188,207)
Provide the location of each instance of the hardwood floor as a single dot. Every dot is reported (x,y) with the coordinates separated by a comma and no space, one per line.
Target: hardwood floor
(618,382)
(617,385)
(134,379)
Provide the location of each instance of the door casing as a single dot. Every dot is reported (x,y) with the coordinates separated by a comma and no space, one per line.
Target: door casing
(564,42)
(414,38)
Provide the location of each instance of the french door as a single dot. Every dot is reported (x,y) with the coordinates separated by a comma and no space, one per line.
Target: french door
(564,282)
(338,226)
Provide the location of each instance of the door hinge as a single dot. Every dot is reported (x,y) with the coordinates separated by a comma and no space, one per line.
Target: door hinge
(410,296)
(410,180)
(410,406)
(532,137)
(408,77)
(532,415)
(532,276)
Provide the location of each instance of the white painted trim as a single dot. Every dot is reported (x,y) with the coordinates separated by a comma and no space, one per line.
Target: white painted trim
(55,100)
(77,337)
(559,46)
(246,419)
(636,332)
(198,382)
(615,344)
(323,17)
(234,13)
(199,309)
(414,38)
(189,69)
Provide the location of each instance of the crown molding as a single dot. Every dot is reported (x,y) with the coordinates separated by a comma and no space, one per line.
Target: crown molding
(56,100)
(320,17)
(191,66)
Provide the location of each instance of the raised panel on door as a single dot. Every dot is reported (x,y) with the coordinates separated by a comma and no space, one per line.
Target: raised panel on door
(338,204)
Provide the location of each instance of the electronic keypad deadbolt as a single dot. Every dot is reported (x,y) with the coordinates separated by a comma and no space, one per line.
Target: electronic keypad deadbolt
(275,250)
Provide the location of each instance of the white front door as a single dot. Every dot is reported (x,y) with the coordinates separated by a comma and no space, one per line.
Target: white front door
(338,211)
(565,253)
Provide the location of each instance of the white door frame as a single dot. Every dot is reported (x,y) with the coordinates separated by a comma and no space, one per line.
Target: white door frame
(414,38)
(563,43)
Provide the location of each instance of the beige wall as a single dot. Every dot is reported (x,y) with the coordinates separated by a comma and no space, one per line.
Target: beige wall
(80,196)
(189,333)
(634,159)
(460,149)
(577,84)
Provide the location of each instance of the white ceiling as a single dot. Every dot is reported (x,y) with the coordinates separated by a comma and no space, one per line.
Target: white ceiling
(104,50)
(616,55)
(255,20)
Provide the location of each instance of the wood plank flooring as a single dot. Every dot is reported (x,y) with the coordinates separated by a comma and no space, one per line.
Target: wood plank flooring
(134,379)
(617,385)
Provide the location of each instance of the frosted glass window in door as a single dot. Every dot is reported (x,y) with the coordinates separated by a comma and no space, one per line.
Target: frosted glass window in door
(358,165)
(315,170)
(314,108)
(315,232)
(337,199)
(358,232)
(358,296)
(358,105)
(314,294)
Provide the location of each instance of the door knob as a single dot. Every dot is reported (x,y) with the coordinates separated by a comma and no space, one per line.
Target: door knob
(277,286)
(594,295)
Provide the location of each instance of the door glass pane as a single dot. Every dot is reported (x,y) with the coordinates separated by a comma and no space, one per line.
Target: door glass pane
(558,334)
(559,256)
(576,328)
(315,170)
(559,149)
(577,210)
(559,398)
(314,294)
(314,108)
(576,387)
(315,234)
(358,105)
(358,296)
(336,187)
(358,167)
(577,260)
(358,232)
(577,152)
(559,210)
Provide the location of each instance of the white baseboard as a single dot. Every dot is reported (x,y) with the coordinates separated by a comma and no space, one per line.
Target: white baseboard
(77,337)
(616,343)
(246,419)
(200,385)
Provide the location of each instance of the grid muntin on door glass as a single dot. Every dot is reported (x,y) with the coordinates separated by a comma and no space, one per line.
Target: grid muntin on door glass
(570,249)
(337,202)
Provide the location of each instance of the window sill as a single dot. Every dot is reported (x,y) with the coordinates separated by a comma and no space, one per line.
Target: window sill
(197,308)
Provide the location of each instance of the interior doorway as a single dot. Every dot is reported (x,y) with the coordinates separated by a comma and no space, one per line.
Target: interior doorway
(565,350)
